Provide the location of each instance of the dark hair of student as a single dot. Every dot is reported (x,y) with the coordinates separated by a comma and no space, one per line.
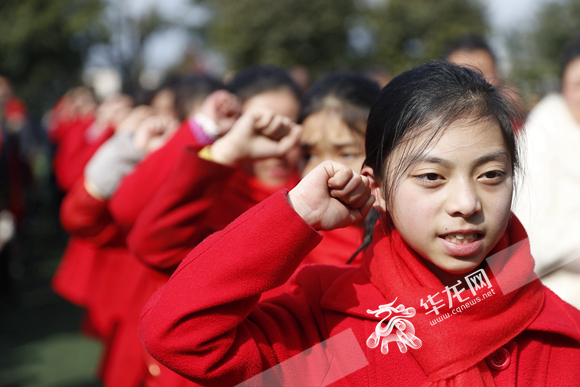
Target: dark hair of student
(468,43)
(350,95)
(571,52)
(260,79)
(191,90)
(427,100)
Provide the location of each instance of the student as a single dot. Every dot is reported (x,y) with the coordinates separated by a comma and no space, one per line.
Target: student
(334,116)
(193,204)
(446,294)
(548,204)
(76,145)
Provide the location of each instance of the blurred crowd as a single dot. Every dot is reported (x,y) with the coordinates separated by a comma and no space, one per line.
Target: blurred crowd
(145,180)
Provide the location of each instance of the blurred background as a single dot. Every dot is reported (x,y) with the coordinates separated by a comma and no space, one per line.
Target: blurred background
(48,47)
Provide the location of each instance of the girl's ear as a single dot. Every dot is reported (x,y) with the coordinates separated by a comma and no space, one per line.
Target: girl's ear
(376,189)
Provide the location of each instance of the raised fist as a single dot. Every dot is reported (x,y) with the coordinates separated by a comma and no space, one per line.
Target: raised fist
(332,196)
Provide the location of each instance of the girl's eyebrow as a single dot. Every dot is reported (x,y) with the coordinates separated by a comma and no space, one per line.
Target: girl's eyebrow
(480,161)
(490,157)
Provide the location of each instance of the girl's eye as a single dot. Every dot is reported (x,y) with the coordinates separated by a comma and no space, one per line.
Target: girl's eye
(349,155)
(429,179)
(493,175)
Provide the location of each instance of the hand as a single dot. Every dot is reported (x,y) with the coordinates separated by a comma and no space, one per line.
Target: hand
(332,196)
(113,110)
(135,118)
(154,132)
(258,134)
(223,108)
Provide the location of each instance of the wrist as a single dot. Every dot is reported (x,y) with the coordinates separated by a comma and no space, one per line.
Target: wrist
(222,153)
(295,199)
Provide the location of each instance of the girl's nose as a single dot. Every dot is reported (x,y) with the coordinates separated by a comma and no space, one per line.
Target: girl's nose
(463,200)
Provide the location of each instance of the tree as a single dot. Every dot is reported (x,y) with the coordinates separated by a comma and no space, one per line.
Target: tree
(536,51)
(409,32)
(282,32)
(43,45)
(339,34)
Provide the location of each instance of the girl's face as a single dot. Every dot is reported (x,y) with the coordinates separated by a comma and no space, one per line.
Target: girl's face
(571,87)
(325,136)
(453,205)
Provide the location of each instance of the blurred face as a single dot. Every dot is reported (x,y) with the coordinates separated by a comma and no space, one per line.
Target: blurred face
(571,87)
(164,102)
(453,205)
(276,171)
(480,59)
(325,136)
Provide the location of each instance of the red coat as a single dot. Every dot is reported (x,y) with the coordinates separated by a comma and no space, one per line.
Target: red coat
(198,199)
(202,197)
(116,283)
(205,324)
(76,147)
(120,284)
(138,187)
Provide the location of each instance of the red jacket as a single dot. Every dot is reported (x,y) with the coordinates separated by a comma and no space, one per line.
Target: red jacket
(75,150)
(76,147)
(117,286)
(205,324)
(120,284)
(139,186)
(202,197)
(199,198)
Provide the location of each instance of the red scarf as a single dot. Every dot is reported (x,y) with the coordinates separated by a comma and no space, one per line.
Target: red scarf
(453,350)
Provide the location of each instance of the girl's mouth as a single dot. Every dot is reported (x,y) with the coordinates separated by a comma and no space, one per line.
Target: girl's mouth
(462,244)
(461,238)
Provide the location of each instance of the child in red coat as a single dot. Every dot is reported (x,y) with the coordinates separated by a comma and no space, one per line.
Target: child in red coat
(446,294)
(193,204)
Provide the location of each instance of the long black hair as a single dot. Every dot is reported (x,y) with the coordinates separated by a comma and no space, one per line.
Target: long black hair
(426,100)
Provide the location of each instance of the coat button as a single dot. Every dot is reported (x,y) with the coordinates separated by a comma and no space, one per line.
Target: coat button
(499,360)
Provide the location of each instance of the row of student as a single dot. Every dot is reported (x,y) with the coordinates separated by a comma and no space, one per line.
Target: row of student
(445,295)
(168,212)
(170,199)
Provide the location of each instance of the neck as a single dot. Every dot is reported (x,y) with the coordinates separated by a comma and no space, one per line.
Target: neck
(447,278)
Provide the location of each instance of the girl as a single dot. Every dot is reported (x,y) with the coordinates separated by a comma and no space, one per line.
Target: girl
(549,205)
(193,204)
(445,296)
(333,117)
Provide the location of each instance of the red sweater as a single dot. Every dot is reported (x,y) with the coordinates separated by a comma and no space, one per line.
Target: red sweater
(205,323)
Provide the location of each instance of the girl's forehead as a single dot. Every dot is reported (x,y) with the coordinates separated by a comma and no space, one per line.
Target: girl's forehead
(327,125)
(463,139)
